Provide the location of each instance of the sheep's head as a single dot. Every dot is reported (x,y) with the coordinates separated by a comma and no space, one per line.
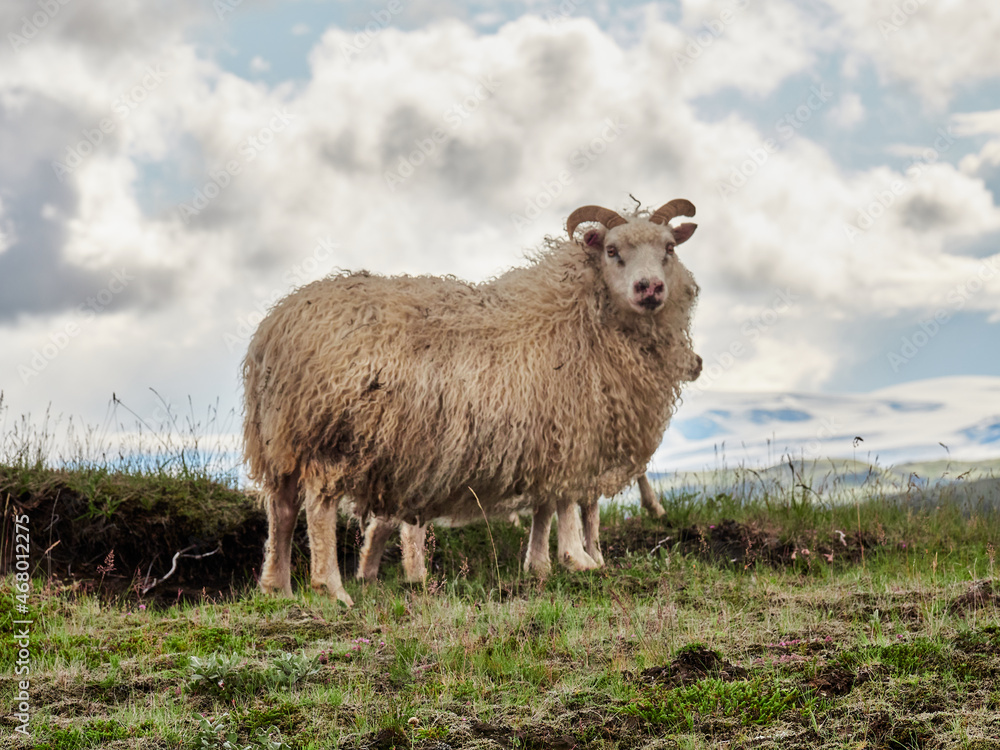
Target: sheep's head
(636,255)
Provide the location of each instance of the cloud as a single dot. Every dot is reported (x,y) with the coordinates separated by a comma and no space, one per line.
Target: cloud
(37,272)
(985,164)
(440,149)
(848,112)
(933,48)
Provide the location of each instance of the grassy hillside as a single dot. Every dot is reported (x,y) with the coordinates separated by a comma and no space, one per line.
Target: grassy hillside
(782,622)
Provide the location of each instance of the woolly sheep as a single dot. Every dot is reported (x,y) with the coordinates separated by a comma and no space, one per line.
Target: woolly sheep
(426,397)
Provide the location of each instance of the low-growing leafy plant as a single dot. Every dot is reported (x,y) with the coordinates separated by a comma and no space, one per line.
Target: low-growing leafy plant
(214,673)
(289,669)
(219,735)
(752,702)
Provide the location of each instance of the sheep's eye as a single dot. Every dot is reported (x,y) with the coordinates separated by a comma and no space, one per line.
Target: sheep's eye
(612,251)
(670,248)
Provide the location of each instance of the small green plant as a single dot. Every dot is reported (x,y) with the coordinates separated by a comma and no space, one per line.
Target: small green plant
(290,668)
(214,673)
(218,735)
(265,741)
(753,702)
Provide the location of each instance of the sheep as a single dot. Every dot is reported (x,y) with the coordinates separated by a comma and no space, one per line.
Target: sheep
(423,397)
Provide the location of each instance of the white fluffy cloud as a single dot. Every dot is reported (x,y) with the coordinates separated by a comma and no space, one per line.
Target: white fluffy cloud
(935,47)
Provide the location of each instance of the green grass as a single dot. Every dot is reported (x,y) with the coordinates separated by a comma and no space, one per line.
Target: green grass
(867,625)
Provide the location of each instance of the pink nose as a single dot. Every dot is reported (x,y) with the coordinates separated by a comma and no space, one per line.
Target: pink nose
(645,288)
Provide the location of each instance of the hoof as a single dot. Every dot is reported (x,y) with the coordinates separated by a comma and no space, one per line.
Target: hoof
(340,593)
(582,562)
(541,569)
(276,589)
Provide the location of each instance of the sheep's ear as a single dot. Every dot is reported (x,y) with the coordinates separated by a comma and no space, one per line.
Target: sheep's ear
(683,232)
(593,238)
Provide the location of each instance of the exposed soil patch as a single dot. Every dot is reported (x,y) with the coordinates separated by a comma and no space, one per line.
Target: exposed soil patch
(984,593)
(690,665)
(538,737)
(836,681)
(886,607)
(130,536)
(893,733)
(388,739)
(732,542)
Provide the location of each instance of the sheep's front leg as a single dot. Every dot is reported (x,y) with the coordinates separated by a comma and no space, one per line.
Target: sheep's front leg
(649,499)
(591,512)
(537,559)
(411,540)
(377,534)
(282,512)
(321,514)
(570,538)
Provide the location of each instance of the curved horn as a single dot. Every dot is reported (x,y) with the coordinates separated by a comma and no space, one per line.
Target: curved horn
(676,207)
(604,216)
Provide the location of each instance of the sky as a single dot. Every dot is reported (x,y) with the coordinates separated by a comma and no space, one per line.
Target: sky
(170,169)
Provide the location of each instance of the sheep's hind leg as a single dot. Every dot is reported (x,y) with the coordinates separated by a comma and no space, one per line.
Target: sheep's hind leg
(321,514)
(570,538)
(537,559)
(411,539)
(377,534)
(591,513)
(283,505)
(648,498)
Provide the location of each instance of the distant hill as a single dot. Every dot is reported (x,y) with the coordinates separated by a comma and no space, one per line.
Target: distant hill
(919,424)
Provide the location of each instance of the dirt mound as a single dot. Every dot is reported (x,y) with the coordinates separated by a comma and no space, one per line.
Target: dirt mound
(691,664)
(836,681)
(118,534)
(984,593)
(729,541)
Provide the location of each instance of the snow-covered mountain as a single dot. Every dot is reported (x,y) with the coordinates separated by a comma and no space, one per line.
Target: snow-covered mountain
(956,418)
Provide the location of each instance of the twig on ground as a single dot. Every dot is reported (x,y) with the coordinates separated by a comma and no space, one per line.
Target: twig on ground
(173,565)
